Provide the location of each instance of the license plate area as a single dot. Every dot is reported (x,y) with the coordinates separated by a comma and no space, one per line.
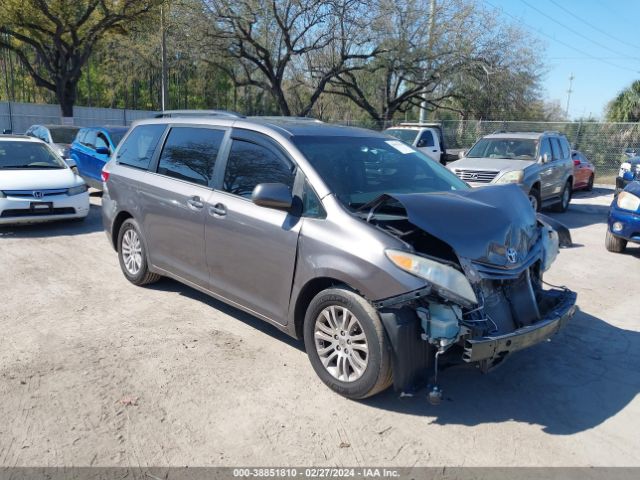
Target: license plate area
(41,207)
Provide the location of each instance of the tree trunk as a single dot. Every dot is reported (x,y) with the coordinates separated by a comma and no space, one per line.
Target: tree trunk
(66,95)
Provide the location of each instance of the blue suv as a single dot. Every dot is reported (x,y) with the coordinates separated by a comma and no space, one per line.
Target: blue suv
(92,148)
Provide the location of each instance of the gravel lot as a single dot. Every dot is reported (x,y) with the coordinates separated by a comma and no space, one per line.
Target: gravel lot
(96,371)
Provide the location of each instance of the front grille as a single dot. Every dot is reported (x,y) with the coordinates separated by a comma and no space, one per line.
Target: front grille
(26,212)
(29,193)
(476,176)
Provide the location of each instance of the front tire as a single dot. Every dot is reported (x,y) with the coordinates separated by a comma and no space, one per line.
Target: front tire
(534,199)
(132,253)
(346,344)
(614,244)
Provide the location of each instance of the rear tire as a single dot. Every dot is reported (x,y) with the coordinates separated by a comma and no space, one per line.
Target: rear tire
(565,199)
(589,186)
(615,244)
(132,253)
(347,344)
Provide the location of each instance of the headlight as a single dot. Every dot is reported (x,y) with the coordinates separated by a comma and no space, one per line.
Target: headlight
(446,281)
(77,190)
(511,177)
(628,201)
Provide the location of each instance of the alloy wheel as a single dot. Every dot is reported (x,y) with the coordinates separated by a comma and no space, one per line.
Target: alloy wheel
(534,202)
(132,251)
(341,343)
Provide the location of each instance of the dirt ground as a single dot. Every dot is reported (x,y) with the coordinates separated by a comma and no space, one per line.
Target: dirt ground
(96,371)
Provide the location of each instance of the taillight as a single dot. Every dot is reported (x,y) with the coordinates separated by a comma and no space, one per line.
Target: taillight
(105,175)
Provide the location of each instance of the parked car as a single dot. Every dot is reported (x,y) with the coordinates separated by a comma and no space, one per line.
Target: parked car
(36,185)
(91,150)
(624,219)
(381,271)
(539,163)
(426,137)
(59,137)
(584,172)
(629,172)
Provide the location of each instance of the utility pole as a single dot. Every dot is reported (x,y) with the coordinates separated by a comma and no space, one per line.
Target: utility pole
(569,92)
(163,47)
(432,21)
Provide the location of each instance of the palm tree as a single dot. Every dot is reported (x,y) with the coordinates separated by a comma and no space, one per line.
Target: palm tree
(626,106)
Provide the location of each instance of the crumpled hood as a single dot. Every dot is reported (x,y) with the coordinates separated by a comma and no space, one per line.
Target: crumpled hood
(479,224)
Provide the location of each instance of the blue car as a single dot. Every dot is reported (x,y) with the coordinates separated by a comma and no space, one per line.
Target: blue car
(624,219)
(92,148)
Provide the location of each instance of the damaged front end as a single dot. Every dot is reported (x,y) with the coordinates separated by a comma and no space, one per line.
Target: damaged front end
(482,254)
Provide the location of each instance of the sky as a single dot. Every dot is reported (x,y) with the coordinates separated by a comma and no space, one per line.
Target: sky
(596,41)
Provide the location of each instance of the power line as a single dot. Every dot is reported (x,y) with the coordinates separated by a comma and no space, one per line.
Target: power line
(595,27)
(540,32)
(572,30)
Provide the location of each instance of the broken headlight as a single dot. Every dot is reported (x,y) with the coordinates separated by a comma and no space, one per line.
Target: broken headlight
(448,282)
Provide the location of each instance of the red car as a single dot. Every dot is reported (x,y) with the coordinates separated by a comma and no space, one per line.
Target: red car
(584,172)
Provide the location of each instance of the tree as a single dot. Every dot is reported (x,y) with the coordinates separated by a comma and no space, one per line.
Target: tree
(441,57)
(289,48)
(626,106)
(53,39)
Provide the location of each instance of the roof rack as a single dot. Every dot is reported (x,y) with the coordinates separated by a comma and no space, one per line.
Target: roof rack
(198,113)
(420,124)
(285,118)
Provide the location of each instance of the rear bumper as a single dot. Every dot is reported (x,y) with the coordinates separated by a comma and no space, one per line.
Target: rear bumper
(494,349)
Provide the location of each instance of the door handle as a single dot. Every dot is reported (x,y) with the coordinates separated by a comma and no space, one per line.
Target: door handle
(218,209)
(195,202)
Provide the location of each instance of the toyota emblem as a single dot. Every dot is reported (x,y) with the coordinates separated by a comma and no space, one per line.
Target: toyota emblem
(512,255)
(38,194)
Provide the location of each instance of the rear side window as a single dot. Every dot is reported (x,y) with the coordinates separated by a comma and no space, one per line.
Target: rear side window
(190,154)
(566,151)
(138,148)
(555,148)
(250,164)
(545,147)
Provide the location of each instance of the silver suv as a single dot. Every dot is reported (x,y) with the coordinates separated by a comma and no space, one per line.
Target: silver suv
(540,163)
(380,258)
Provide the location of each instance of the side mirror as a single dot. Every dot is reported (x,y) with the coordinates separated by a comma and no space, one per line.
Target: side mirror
(272,195)
(71,162)
(420,144)
(103,151)
(462,153)
(544,158)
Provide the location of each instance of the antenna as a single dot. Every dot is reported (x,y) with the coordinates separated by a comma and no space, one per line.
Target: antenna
(569,92)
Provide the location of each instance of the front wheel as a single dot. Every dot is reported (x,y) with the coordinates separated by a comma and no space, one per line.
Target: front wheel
(614,244)
(346,344)
(534,199)
(133,255)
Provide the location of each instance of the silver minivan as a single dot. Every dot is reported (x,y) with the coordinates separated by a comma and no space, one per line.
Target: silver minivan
(382,260)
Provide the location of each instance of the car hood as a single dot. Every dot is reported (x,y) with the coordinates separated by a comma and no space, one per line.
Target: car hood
(33,179)
(479,224)
(495,164)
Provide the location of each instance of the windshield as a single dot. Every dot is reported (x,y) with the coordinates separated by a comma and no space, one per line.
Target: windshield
(360,169)
(516,148)
(27,155)
(64,135)
(404,134)
(116,136)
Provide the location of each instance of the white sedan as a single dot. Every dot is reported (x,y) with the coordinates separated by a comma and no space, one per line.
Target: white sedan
(36,185)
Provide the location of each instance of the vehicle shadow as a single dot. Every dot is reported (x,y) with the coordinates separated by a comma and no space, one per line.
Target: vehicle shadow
(91,224)
(585,375)
(170,285)
(586,208)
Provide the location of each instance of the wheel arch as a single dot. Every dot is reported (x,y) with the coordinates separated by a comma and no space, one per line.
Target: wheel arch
(115,229)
